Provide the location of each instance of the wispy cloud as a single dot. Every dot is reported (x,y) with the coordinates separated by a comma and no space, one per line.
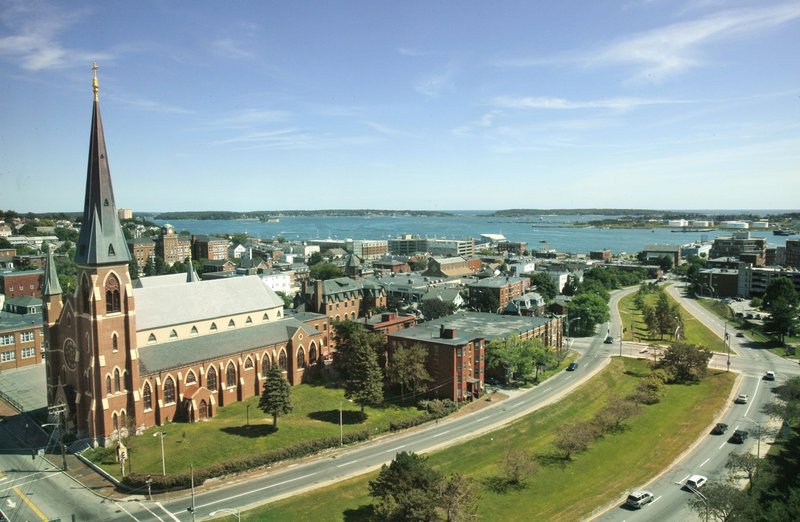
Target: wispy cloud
(483,122)
(434,85)
(540,102)
(151,105)
(291,138)
(34,37)
(388,131)
(411,51)
(675,48)
(230,48)
(251,117)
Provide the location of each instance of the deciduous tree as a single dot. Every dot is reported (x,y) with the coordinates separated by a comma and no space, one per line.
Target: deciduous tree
(544,285)
(458,498)
(575,437)
(592,310)
(436,308)
(325,271)
(408,368)
(518,466)
(276,398)
(685,362)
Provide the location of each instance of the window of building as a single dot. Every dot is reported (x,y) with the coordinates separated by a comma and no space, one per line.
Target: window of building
(312,354)
(231,324)
(173,334)
(301,358)
(282,360)
(126,381)
(211,379)
(194,330)
(213,327)
(27,353)
(26,337)
(279,314)
(86,295)
(230,375)
(248,363)
(265,364)
(112,294)
(115,420)
(108,385)
(248,320)
(169,391)
(114,342)
(266,317)
(123,419)
(151,339)
(6,340)
(10,355)
(191,378)
(117,385)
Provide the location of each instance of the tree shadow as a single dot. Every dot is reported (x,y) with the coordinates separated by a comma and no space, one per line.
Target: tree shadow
(363,513)
(252,431)
(639,375)
(332,416)
(501,485)
(554,459)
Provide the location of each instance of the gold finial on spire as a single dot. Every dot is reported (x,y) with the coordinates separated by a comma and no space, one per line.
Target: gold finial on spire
(95,85)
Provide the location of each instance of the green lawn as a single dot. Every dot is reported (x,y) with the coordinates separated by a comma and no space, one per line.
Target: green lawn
(562,490)
(315,415)
(694,332)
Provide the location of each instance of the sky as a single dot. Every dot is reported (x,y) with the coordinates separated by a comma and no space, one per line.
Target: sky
(429,105)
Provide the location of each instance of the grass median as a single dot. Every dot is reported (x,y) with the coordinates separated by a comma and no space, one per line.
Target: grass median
(563,489)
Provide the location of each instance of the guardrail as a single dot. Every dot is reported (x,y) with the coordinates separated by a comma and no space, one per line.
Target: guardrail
(11,402)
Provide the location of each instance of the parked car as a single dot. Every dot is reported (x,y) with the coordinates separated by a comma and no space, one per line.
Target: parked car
(741,399)
(637,499)
(769,376)
(720,428)
(572,367)
(696,482)
(609,340)
(739,334)
(738,437)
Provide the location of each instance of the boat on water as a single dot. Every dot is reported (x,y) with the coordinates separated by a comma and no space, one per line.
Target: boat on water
(784,232)
(270,219)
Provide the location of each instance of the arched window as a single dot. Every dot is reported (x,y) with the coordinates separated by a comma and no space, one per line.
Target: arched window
(112,294)
(173,334)
(115,420)
(151,339)
(211,379)
(114,345)
(108,385)
(301,358)
(231,323)
(248,320)
(230,375)
(353,316)
(194,330)
(265,364)
(169,391)
(279,313)
(126,381)
(266,317)
(111,252)
(248,363)
(117,385)
(312,354)
(147,397)
(191,378)
(203,410)
(123,419)
(213,327)
(282,360)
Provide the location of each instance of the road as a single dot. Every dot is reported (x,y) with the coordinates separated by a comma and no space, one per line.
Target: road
(707,457)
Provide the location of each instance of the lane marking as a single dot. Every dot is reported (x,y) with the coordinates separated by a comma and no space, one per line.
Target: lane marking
(395,449)
(30,504)
(545,389)
(705,461)
(152,513)
(514,405)
(482,418)
(723,444)
(234,497)
(173,517)
(119,505)
(347,463)
(656,500)
(681,481)
(440,434)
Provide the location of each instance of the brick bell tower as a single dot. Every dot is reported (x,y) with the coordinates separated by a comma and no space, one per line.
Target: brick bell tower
(93,360)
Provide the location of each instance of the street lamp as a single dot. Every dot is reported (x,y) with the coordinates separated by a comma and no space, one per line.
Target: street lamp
(163,462)
(758,436)
(227,511)
(341,425)
(60,443)
(727,342)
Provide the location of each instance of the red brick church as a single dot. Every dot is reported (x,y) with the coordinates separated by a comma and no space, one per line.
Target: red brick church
(125,355)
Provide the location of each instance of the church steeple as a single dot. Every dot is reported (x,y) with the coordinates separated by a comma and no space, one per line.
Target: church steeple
(51,285)
(101,241)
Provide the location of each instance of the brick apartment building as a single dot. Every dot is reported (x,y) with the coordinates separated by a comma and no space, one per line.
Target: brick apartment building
(143,250)
(21,337)
(172,247)
(211,248)
(22,283)
(504,289)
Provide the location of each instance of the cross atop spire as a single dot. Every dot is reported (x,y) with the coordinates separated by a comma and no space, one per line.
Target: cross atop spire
(95,85)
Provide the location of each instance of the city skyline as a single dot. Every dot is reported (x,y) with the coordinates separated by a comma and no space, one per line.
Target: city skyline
(631,104)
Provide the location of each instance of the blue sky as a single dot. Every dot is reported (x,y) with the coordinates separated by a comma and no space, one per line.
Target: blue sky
(404,105)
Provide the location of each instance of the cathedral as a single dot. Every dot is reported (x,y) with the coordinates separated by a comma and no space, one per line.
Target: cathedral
(123,355)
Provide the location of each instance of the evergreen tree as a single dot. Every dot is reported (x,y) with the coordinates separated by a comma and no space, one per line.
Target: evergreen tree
(406,489)
(364,383)
(276,398)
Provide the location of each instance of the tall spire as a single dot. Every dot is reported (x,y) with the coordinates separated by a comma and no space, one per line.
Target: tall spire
(51,284)
(101,240)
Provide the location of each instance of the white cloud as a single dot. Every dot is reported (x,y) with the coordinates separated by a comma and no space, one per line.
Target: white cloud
(433,85)
(230,48)
(388,131)
(151,105)
(541,102)
(675,48)
(251,117)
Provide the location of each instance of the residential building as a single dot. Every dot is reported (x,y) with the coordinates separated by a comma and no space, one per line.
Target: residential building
(209,247)
(652,253)
(502,288)
(515,247)
(125,213)
(143,250)
(172,247)
(448,267)
(601,255)
(342,298)
(741,245)
(21,283)
(792,253)
(21,338)
(389,322)
(392,266)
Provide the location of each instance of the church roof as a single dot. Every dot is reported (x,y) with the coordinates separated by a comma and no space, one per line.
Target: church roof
(101,240)
(51,285)
(165,305)
(213,346)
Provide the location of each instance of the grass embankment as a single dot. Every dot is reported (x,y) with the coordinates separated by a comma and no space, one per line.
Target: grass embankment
(315,415)
(694,332)
(563,490)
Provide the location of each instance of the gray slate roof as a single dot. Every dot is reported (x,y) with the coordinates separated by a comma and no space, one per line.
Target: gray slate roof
(214,346)
(160,306)
(470,326)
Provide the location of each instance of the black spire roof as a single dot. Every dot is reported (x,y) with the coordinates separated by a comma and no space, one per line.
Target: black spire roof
(101,240)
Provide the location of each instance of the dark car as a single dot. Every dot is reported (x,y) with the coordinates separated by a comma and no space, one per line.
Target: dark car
(738,437)
(739,334)
(609,340)
(720,428)
(572,367)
